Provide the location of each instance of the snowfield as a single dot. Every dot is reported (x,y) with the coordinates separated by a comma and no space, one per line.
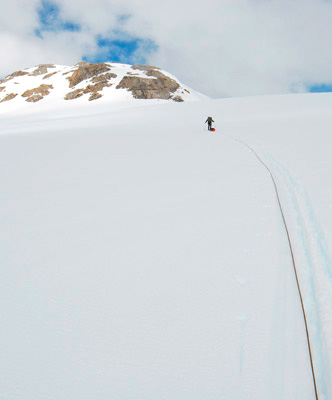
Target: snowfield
(145,258)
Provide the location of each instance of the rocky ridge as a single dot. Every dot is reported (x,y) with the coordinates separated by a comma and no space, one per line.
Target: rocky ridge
(92,81)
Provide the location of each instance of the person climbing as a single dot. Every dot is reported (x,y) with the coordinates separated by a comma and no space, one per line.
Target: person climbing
(209,122)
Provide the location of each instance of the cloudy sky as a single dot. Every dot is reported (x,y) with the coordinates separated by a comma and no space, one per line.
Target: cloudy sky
(219,47)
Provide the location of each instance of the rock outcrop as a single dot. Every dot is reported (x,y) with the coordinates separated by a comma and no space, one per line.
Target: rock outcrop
(75,94)
(34,98)
(42,69)
(85,71)
(18,73)
(158,87)
(103,78)
(88,81)
(10,96)
(49,75)
(14,75)
(177,99)
(93,90)
(38,93)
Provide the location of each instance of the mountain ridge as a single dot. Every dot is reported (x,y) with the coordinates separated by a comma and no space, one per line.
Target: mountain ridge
(92,81)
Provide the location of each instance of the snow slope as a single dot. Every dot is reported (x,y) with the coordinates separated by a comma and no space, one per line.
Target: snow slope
(56,77)
(143,257)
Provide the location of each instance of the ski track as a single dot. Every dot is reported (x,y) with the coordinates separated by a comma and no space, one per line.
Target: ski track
(257,370)
(313,266)
(320,390)
(314,270)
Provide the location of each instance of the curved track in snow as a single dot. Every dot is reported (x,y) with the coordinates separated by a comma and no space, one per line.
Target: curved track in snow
(142,259)
(293,258)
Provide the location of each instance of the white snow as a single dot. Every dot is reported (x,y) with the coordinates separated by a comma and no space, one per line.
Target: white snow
(145,258)
(110,95)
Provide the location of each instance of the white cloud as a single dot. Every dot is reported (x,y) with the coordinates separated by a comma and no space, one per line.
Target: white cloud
(20,46)
(220,47)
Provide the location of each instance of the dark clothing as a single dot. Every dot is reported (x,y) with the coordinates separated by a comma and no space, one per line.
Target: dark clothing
(209,121)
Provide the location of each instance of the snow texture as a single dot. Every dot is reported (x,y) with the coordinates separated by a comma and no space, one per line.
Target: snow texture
(145,258)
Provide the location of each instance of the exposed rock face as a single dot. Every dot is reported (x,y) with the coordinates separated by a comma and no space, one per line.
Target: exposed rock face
(159,87)
(97,87)
(49,75)
(95,96)
(86,70)
(147,68)
(38,93)
(92,89)
(178,99)
(9,97)
(74,95)
(162,87)
(153,71)
(14,75)
(42,69)
(116,82)
(34,98)
(103,78)
(18,73)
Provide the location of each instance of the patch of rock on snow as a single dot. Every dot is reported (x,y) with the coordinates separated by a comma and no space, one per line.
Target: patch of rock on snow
(113,81)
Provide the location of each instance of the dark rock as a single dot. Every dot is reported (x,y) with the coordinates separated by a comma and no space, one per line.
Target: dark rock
(18,73)
(92,89)
(178,99)
(13,75)
(95,96)
(49,75)
(103,78)
(145,88)
(74,95)
(42,69)
(42,90)
(85,71)
(97,87)
(34,98)
(144,67)
(9,97)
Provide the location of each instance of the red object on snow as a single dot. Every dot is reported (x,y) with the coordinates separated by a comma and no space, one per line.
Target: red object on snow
(213,130)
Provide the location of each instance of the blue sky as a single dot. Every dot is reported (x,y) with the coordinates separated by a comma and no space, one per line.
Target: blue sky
(219,47)
(118,50)
(50,19)
(320,88)
(117,47)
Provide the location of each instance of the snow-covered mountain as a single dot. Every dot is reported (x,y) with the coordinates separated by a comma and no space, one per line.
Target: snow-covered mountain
(144,258)
(84,82)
